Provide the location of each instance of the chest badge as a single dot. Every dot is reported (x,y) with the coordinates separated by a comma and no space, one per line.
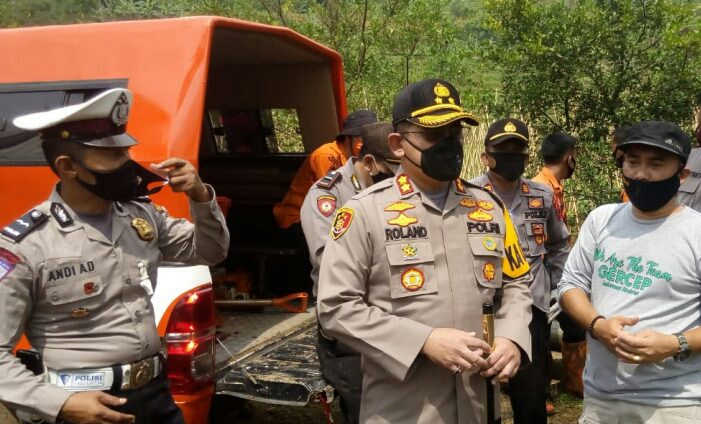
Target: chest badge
(80,313)
(341,222)
(535,202)
(480,215)
(409,252)
(470,203)
(143,229)
(403,220)
(326,205)
(90,288)
(489,243)
(488,271)
(413,279)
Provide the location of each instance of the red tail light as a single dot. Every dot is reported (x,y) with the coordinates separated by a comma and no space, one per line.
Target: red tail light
(190,342)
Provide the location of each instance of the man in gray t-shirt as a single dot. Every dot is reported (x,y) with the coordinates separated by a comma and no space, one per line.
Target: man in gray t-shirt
(633,279)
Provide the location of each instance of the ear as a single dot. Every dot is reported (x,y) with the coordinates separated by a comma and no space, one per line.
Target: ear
(684,174)
(486,160)
(395,144)
(368,161)
(65,167)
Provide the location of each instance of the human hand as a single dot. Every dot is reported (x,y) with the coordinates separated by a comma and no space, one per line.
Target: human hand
(503,361)
(93,408)
(645,346)
(455,350)
(183,178)
(607,330)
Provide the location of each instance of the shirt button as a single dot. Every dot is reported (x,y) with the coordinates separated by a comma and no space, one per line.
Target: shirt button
(137,314)
(54,298)
(128,281)
(146,345)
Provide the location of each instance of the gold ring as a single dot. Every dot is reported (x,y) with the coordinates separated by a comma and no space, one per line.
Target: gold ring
(636,358)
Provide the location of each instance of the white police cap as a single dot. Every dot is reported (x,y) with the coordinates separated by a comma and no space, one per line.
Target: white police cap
(98,122)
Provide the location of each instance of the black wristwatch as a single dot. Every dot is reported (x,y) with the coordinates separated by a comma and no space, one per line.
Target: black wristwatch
(684,351)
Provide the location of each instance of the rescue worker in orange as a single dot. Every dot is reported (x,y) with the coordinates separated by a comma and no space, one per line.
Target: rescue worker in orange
(325,158)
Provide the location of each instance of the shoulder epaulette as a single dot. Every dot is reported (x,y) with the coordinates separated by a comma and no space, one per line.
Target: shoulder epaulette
(143,199)
(535,185)
(24,225)
(490,192)
(329,180)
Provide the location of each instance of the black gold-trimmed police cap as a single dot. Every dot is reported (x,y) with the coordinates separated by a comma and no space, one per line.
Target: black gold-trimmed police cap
(98,122)
(506,129)
(661,134)
(430,103)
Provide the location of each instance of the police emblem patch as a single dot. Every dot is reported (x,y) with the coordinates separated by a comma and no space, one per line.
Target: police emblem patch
(89,288)
(8,261)
(409,252)
(399,207)
(120,111)
(509,127)
(470,203)
(480,216)
(489,243)
(341,222)
(535,202)
(80,312)
(538,228)
(326,205)
(539,239)
(404,184)
(403,220)
(488,271)
(413,279)
(143,229)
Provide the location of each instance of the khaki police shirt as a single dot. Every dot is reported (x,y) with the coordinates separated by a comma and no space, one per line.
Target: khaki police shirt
(689,193)
(543,234)
(77,295)
(396,267)
(319,207)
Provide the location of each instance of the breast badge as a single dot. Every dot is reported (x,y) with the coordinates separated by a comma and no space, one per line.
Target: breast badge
(399,207)
(412,279)
(80,313)
(90,288)
(326,205)
(489,243)
(535,202)
(143,229)
(470,203)
(403,220)
(487,206)
(341,222)
(480,215)
(409,252)
(488,271)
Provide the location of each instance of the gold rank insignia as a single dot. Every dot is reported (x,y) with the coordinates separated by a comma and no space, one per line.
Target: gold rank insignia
(509,127)
(341,222)
(488,271)
(535,202)
(539,239)
(143,228)
(80,312)
(403,220)
(404,184)
(399,207)
(470,203)
(525,188)
(480,215)
(488,187)
(487,206)
(413,279)
(459,186)
(489,243)
(409,252)
(160,209)
(326,205)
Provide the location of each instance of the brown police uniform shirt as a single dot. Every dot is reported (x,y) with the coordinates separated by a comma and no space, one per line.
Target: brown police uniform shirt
(319,207)
(689,193)
(77,295)
(543,234)
(396,267)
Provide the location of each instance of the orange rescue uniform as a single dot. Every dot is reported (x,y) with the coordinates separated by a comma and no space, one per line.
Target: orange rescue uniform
(325,158)
(546,177)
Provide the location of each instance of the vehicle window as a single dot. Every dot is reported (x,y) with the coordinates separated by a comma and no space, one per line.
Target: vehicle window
(255,131)
(19,147)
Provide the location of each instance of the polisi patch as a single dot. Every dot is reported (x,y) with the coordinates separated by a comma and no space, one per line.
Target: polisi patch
(413,279)
(81,380)
(326,205)
(536,214)
(481,227)
(8,261)
(341,222)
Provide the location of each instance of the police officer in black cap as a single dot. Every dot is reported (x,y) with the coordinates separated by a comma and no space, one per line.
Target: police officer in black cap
(78,270)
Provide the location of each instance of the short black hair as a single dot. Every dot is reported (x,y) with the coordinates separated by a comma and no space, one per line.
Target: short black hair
(375,140)
(555,146)
(55,148)
(620,134)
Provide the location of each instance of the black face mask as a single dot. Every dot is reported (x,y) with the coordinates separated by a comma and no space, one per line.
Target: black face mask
(443,160)
(125,183)
(650,196)
(570,169)
(380,176)
(509,165)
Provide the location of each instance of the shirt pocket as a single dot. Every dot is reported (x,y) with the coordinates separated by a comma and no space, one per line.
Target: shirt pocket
(536,235)
(412,269)
(690,184)
(74,291)
(487,259)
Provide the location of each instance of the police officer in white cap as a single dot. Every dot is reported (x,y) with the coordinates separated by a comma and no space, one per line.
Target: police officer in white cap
(77,271)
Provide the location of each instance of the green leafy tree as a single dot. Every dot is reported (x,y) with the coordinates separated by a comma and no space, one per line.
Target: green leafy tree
(588,66)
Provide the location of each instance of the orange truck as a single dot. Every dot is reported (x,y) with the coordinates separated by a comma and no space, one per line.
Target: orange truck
(241,101)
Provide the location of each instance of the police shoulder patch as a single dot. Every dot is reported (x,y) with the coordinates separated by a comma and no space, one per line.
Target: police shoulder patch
(341,222)
(326,204)
(8,261)
(24,225)
(329,180)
